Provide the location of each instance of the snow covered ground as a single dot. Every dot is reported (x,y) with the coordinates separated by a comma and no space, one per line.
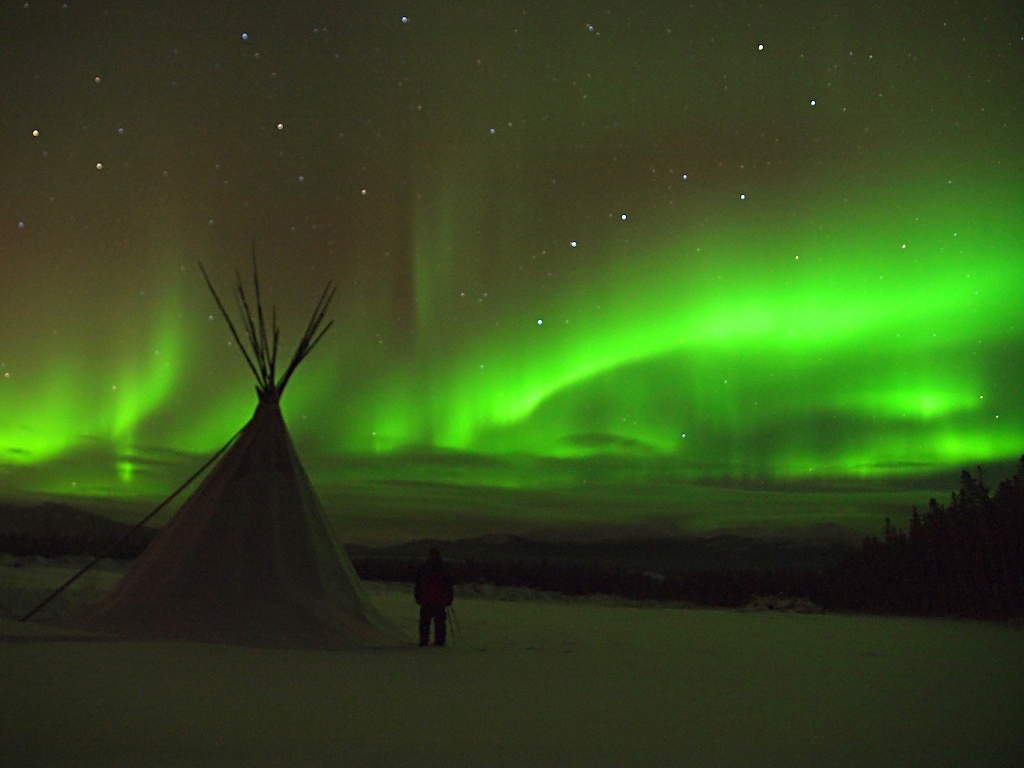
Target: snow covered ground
(528,681)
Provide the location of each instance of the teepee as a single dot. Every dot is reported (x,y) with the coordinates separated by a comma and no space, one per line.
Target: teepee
(249,558)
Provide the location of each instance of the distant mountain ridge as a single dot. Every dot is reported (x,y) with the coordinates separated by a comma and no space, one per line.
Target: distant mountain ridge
(59,529)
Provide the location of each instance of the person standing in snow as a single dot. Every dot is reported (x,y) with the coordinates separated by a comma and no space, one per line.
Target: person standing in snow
(433,594)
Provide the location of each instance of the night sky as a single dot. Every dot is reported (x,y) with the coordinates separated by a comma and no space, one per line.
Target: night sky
(711,263)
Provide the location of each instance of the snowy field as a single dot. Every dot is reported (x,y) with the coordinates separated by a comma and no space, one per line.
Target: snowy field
(527,681)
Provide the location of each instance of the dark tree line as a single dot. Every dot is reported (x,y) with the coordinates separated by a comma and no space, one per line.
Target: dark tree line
(965,558)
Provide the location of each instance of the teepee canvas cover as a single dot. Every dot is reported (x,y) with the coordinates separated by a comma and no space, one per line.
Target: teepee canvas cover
(249,558)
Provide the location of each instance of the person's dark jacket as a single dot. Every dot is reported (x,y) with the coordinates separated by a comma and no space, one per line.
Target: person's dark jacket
(434,583)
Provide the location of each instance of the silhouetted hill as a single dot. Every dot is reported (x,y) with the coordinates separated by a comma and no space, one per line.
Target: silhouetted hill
(56,530)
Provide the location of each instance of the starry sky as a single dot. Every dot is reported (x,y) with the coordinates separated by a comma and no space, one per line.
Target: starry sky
(705,263)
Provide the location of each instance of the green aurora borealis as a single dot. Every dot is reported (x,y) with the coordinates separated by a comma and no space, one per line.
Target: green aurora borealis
(649,252)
